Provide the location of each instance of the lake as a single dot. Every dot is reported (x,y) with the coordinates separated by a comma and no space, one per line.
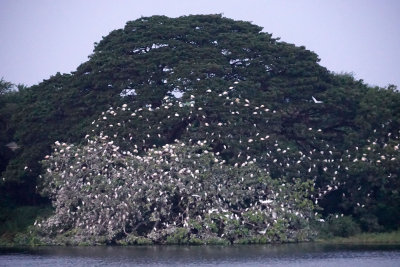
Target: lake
(306,254)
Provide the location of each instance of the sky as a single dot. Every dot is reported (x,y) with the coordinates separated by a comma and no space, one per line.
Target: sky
(42,37)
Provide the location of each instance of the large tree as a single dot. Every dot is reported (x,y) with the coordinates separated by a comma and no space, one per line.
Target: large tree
(251,96)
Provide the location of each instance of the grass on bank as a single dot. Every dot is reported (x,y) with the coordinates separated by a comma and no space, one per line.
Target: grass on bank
(388,238)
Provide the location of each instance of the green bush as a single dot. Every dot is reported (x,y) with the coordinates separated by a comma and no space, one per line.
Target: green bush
(343,226)
(179,237)
(15,222)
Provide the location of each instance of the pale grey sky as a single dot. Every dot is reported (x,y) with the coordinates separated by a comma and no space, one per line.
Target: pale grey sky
(39,38)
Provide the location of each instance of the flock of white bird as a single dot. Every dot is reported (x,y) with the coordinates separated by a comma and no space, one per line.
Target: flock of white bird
(116,189)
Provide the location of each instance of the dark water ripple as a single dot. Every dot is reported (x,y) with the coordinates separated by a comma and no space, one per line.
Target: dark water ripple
(313,254)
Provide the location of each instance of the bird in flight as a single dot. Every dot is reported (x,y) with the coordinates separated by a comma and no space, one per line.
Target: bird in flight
(13,146)
(316,101)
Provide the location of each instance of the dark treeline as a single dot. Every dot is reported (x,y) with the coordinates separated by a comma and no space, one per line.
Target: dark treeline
(248,94)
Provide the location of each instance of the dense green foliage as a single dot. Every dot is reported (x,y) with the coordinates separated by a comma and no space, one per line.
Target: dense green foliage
(250,96)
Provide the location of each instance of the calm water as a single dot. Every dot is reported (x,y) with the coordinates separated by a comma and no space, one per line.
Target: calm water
(259,255)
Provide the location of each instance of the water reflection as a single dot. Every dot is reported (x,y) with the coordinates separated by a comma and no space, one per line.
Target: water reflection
(308,254)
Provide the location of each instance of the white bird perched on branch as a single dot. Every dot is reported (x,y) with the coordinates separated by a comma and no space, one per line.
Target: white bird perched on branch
(263,231)
(316,101)
(267,201)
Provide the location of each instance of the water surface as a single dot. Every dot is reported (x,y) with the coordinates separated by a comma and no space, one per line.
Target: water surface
(309,254)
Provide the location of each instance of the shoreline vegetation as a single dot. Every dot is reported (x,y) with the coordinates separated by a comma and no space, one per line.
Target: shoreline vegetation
(385,238)
(20,232)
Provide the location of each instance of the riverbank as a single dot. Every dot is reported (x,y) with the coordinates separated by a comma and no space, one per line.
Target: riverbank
(387,238)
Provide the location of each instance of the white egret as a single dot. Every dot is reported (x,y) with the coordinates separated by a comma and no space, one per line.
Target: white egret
(316,101)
